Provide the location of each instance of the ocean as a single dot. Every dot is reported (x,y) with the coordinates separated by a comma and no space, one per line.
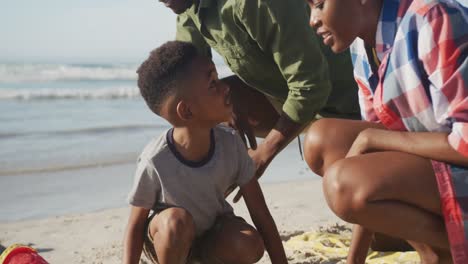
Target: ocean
(70,135)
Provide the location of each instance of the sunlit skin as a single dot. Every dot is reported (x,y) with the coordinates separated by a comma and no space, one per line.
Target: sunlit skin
(339,23)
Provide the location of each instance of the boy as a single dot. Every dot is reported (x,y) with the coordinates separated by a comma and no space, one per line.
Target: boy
(185,174)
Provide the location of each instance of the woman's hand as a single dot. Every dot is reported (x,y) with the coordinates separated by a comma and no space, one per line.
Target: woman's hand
(363,143)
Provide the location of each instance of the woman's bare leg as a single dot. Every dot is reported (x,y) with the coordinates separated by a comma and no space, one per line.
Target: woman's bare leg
(327,141)
(390,192)
(360,243)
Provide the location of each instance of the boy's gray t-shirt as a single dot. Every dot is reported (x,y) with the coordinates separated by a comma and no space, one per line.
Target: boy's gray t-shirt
(164,178)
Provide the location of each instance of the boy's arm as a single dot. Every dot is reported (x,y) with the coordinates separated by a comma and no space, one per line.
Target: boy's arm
(133,240)
(263,220)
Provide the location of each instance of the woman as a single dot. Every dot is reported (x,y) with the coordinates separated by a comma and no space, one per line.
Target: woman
(404,170)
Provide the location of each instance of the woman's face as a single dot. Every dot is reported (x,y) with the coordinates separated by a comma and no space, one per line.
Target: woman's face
(336,21)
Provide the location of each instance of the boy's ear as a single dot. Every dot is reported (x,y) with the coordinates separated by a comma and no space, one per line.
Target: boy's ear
(183,111)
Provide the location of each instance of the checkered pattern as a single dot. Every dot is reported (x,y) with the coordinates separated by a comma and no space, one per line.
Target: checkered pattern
(421,85)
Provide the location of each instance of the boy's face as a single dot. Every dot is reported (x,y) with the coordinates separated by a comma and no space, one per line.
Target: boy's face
(209,98)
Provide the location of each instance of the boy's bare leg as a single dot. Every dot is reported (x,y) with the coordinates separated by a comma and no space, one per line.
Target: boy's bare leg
(389,192)
(173,232)
(235,242)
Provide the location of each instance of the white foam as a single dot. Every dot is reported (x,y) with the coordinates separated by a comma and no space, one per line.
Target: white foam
(16,73)
(49,94)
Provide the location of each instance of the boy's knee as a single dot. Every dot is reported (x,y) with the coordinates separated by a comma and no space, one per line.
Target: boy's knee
(256,245)
(244,247)
(249,247)
(314,145)
(178,225)
(342,192)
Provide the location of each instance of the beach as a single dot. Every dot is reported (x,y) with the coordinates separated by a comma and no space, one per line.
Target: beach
(96,237)
(70,138)
(69,141)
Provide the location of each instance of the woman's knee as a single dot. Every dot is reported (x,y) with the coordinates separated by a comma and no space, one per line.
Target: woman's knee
(315,144)
(177,226)
(344,194)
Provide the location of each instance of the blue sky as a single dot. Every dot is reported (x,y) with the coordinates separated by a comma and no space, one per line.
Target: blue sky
(88,31)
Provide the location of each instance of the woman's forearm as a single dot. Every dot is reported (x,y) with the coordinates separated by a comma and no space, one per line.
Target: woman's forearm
(431,145)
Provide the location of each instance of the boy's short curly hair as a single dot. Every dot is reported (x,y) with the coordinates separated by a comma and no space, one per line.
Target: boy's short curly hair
(158,75)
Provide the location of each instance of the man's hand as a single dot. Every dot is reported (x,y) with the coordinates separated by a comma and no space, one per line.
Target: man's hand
(262,156)
(240,97)
(240,121)
(278,138)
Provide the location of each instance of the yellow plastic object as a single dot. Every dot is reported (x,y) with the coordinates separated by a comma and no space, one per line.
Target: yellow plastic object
(330,247)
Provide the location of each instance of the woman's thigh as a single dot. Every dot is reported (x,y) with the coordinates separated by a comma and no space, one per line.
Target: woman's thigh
(384,176)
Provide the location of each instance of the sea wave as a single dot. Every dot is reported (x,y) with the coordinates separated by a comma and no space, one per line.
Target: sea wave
(80,131)
(68,167)
(69,93)
(17,73)
(26,73)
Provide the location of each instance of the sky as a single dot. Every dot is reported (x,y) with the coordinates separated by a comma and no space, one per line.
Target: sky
(82,31)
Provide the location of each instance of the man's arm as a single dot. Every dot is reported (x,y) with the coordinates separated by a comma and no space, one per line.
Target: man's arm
(296,51)
(133,240)
(263,220)
(279,137)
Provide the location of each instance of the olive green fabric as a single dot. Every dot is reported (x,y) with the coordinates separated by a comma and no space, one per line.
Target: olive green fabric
(271,47)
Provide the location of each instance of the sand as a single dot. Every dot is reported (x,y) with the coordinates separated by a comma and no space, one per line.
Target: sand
(96,237)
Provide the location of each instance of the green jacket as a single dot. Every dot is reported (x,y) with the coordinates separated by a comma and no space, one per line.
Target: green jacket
(271,47)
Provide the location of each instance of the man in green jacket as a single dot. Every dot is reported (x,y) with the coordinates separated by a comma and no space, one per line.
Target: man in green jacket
(285,76)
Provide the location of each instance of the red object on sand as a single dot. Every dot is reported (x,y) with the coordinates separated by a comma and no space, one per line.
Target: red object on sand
(20,254)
